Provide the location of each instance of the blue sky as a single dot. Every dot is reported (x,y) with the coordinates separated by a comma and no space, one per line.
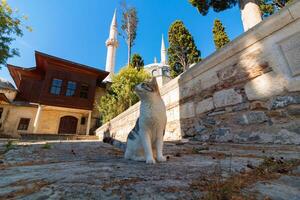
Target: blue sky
(77,29)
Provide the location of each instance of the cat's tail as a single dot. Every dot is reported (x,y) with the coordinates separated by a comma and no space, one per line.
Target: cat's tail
(116,143)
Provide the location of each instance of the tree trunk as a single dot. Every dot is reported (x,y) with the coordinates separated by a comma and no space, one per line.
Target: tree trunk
(128,54)
(129,41)
(251,14)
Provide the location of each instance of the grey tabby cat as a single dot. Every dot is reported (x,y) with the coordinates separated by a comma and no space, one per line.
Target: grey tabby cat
(145,141)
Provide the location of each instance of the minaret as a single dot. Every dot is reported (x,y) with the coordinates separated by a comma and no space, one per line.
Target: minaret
(112,45)
(163,52)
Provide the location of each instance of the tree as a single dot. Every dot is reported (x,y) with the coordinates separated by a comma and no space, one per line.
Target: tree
(251,10)
(137,62)
(182,49)
(268,7)
(220,35)
(251,14)
(10,28)
(121,96)
(129,27)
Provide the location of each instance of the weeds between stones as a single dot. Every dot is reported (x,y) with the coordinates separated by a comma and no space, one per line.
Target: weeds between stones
(9,146)
(46,146)
(219,189)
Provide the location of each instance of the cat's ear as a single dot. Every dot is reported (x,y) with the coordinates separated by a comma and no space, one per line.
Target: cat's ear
(154,83)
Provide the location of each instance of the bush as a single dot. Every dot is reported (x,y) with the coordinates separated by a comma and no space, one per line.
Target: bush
(121,96)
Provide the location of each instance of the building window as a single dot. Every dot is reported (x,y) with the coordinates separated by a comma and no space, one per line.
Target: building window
(1,111)
(23,124)
(71,88)
(84,91)
(82,121)
(56,86)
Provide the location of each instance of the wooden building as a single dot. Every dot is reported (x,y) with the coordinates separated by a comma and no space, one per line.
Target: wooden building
(55,97)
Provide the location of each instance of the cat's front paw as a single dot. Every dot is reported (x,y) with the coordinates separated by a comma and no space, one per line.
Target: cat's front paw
(150,161)
(161,159)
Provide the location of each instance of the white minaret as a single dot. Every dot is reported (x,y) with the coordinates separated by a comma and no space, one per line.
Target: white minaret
(112,45)
(163,52)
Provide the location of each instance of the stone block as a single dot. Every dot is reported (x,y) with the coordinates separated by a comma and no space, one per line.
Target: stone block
(200,128)
(283,101)
(173,114)
(226,98)
(294,9)
(221,135)
(187,110)
(258,105)
(294,111)
(227,72)
(173,96)
(286,137)
(222,131)
(294,127)
(253,117)
(294,84)
(209,81)
(217,113)
(208,121)
(239,107)
(188,89)
(291,50)
(265,86)
(190,132)
(277,114)
(205,105)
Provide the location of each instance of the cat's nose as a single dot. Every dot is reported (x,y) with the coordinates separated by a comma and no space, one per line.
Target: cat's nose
(136,87)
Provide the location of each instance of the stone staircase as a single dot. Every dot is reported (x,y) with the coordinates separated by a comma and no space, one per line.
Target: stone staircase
(32,136)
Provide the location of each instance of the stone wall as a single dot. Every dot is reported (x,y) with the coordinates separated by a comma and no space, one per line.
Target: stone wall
(248,91)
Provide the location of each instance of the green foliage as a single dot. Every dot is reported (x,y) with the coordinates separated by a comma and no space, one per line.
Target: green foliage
(220,35)
(137,62)
(182,49)
(10,28)
(129,26)
(268,7)
(9,146)
(121,96)
(203,6)
(46,146)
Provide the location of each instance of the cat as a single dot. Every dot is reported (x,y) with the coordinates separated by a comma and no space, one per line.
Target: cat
(145,140)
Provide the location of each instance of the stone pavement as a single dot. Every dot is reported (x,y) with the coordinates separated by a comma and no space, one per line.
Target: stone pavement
(94,170)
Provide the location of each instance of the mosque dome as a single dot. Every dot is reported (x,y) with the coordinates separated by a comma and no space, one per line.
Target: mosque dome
(5,84)
(158,69)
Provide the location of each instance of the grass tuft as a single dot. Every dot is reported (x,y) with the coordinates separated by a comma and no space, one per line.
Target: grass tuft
(46,146)
(9,146)
(231,189)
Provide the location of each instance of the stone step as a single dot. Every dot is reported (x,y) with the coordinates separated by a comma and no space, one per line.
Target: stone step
(31,136)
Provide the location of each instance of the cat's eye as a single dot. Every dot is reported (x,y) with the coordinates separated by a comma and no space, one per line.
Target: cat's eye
(147,87)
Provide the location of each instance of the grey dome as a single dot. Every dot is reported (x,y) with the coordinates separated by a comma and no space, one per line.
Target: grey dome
(5,84)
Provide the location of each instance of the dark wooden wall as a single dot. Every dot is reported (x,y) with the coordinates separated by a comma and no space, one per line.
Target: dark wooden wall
(38,91)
